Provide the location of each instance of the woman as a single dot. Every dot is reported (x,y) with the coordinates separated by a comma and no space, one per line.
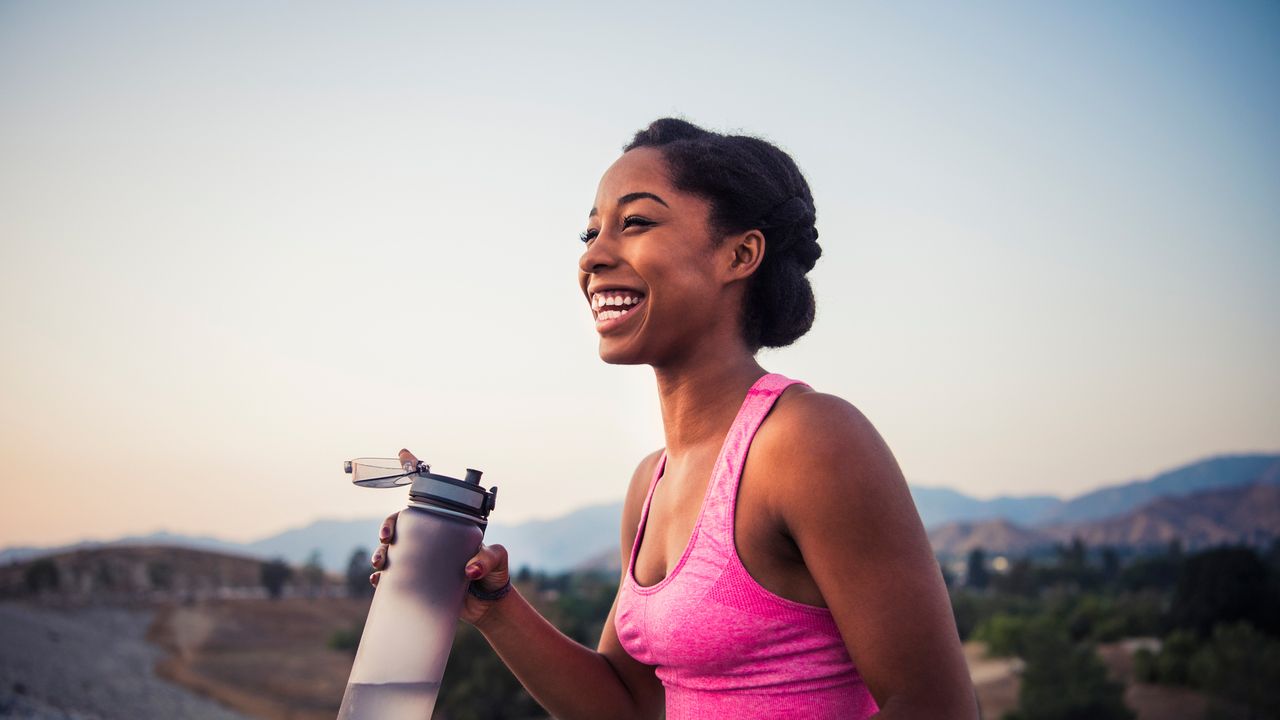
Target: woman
(794,580)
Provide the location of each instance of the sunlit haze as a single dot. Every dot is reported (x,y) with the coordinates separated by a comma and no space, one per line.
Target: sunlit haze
(242,242)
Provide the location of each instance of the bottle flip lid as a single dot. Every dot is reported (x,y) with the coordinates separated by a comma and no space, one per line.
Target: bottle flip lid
(466,495)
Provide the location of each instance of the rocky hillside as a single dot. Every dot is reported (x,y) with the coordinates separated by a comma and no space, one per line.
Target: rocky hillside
(999,535)
(1248,514)
(131,571)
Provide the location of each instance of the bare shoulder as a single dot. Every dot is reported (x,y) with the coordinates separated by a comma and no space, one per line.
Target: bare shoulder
(821,427)
(815,442)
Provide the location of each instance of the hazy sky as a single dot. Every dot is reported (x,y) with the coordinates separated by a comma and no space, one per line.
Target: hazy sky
(241,242)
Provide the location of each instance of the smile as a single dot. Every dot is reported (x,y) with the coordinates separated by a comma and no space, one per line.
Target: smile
(612,306)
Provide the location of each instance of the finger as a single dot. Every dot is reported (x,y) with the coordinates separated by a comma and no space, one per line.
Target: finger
(489,559)
(387,532)
(408,461)
(373,579)
(379,559)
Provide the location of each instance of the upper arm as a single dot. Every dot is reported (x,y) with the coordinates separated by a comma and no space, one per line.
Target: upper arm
(846,505)
(639,678)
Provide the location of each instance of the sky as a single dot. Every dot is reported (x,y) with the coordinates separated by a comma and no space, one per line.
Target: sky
(241,242)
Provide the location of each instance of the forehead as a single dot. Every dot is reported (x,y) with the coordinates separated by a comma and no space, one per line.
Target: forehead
(640,170)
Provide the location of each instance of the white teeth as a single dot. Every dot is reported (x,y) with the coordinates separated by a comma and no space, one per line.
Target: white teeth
(599,301)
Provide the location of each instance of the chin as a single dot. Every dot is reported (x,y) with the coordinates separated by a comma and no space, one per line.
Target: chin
(613,354)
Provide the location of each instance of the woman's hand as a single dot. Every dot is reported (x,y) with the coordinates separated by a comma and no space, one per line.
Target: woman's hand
(487,568)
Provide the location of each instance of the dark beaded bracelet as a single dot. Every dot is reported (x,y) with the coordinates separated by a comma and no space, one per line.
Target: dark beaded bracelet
(486,595)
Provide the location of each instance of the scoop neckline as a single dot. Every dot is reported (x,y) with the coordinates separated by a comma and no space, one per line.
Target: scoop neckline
(659,472)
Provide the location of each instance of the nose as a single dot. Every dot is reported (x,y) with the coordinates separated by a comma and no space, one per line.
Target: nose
(598,255)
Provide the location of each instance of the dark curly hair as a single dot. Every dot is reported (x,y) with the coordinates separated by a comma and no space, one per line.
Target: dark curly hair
(750,184)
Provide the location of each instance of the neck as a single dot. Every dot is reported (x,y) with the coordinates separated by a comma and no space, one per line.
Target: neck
(699,399)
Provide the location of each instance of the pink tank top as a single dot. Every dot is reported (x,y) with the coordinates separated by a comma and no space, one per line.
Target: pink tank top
(723,646)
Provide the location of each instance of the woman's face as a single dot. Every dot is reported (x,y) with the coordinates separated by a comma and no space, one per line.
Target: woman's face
(649,267)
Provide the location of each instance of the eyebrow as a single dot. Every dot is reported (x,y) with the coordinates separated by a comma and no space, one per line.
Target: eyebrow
(632,197)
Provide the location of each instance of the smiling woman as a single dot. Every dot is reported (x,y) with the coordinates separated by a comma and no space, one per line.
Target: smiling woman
(774,564)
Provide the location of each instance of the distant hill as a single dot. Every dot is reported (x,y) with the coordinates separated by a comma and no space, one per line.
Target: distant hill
(998,535)
(939,505)
(1248,514)
(590,535)
(194,542)
(562,543)
(130,570)
(1211,474)
(551,545)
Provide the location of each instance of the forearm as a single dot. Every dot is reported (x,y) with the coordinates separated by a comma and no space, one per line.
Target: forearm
(569,680)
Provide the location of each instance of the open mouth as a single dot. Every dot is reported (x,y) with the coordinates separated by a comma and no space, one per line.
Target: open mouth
(610,306)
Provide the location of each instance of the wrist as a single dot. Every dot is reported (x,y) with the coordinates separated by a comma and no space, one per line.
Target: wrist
(497,613)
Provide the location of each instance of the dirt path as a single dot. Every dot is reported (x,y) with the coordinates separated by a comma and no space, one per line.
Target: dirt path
(994,679)
(89,663)
(268,659)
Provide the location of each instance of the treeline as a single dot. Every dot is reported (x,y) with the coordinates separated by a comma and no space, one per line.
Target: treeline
(1212,617)
(1209,620)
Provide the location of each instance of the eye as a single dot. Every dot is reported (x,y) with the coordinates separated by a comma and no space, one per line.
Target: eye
(636,221)
(587,236)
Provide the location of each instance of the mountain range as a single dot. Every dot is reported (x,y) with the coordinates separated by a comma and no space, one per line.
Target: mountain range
(1248,514)
(1234,496)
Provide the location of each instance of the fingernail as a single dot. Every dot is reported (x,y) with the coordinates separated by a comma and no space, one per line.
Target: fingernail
(474,571)
(384,533)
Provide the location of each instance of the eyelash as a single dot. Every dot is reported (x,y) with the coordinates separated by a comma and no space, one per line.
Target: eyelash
(631,220)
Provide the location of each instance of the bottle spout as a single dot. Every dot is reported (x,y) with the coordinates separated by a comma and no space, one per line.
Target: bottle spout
(473,476)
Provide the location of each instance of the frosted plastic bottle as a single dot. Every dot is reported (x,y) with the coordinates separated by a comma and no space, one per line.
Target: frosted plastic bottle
(411,623)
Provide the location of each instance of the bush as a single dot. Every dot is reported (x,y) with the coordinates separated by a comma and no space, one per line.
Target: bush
(1241,665)
(347,639)
(1007,634)
(1064,681)
(1238,664)
(972,609)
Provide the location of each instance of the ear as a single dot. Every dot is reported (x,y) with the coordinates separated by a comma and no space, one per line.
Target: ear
(744,253)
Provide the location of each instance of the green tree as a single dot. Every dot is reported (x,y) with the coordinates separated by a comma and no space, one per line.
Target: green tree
(358,571)
(1224,585)
(976,575)
(40,576)
(1008,634)
(1065,681)
(313,573)
(160,575)
(1240,665)
(275,573)
(1110,564)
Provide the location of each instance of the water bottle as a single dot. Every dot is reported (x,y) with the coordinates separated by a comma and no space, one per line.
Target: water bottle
(411,623)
